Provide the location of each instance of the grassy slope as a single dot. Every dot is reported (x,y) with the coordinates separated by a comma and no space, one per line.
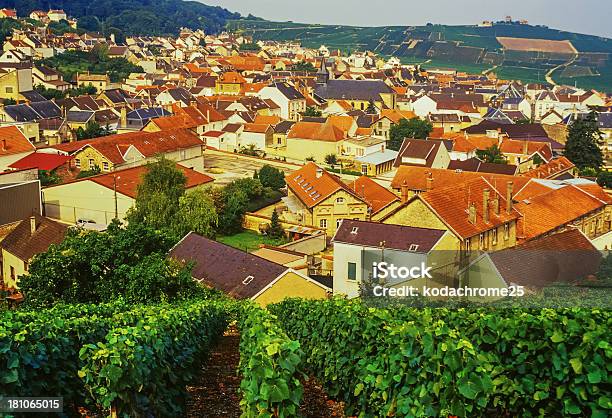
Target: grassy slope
(386,40)
(249,240)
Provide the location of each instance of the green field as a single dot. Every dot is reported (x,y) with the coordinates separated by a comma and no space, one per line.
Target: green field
(464,48)
(249,240)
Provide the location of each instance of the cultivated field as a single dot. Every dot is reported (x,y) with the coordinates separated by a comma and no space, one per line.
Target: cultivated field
(537,45)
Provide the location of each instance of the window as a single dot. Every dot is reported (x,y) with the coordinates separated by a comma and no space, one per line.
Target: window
(481,241)
(364,169)
(354,230)
(413,247)
(507,232)
(92,164)
(323,223)
(12,273)
(247,280)
(352,271)
(77,163)
(494,232)
(105,166)
(338,222)
(340,200)
(9,89)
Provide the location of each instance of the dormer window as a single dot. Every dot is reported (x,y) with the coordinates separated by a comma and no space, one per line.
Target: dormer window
(413,248)
(247,280)
(354,230)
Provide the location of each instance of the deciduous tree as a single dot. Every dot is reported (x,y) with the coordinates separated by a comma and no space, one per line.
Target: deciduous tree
(413,128)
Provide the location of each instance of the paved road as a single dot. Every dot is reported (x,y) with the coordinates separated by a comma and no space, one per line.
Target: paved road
(226,168)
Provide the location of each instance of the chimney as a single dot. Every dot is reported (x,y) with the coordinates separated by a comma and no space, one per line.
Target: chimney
(525,147)
(495,204)
(509,189)
(404,189)
(32,225)
(472,214)
(486,194)
(123,123)
(3,144)
(319,172)
(429,185)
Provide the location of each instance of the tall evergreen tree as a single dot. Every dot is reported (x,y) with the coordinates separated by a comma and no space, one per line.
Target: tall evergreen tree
(584,140)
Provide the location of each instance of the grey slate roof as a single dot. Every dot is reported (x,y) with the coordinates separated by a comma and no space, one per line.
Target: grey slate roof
(369,90)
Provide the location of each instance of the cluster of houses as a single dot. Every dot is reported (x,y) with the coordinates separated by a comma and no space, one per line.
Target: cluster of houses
(350,199)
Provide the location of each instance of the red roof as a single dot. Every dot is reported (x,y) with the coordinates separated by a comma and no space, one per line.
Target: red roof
(41,161)
(129,179)
(12,141)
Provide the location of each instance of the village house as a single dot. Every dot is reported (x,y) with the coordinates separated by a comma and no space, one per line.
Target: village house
(290,100)
(104,197)
(359,93)
(242,275)
(114,152)
(320,199)
(424,153)
(14,145)
(27,238)
(314,140)
(358,245)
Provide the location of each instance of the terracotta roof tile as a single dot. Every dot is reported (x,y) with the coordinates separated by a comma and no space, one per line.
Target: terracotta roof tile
(12,141)
(377,196)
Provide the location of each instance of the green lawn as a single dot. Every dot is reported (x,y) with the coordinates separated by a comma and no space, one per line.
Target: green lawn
(249,240)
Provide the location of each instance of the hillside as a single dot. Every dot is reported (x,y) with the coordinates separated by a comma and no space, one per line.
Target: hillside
(146,17)
(581,59)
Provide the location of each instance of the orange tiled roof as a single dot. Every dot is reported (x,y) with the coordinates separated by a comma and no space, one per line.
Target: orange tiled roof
(345,123)
(316,131)
(551,168)
(416,177)
(129,179)
(396,115)
(174,122)
(231,77)
(555,209)
(452,204)
(259,128)
(12,141)
(149,144)
(377,196)
(511,146)
(267,120)
(311,189)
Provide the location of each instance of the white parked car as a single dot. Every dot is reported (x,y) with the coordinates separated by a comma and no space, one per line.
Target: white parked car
(90,225)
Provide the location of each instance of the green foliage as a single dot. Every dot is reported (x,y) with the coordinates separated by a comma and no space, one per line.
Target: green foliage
(491,155)
(311,158)
(95,61)
(413,128)
(142,369)
(271,177)
(88,173)
(7,26)
(236,199)
(304,66)
(9,102)
(48,178)
(275,230)
(41,348)
(250,149)
(312,111)
(60,28)
(465,362)
(157,199)
(251,47)
(331,159)
(55,94)
(604,179)
(583,144)
(141,17)
(196,213)
(90,266)
(270,364)
(92,130)
(250,241)
(371,110)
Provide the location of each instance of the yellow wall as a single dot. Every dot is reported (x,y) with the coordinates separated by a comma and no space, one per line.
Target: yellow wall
(9,260)
(84,200)
(88,153)
(382,213)
(300,149)
(288,286)
(417,214)
(9,86)
(228,88)
(332,211)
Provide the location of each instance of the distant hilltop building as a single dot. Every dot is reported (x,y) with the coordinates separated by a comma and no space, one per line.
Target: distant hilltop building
(485,24)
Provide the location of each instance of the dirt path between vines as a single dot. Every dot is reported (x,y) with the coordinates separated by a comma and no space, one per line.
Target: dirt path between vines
(214,392)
